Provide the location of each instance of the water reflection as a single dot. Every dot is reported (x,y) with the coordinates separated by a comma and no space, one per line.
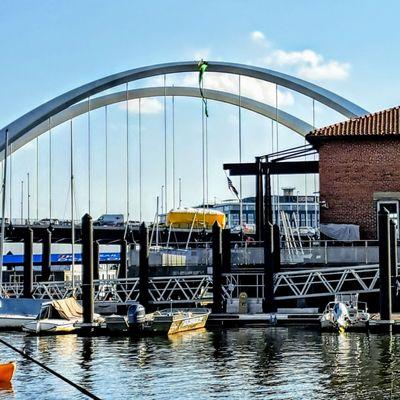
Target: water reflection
(268,363)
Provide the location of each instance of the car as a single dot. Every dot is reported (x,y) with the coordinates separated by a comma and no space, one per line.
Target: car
(110,220)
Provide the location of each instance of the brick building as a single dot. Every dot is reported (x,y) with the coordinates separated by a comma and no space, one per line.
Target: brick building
(359,168)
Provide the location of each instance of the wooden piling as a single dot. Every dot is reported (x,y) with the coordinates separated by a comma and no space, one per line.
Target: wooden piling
(46,256)
(217,268)
(393,265)
(384,265)
(276,250)
(87,269)
(268,304)
(144,265)
(123,266)
(28,264)
(226,250)
(96,259)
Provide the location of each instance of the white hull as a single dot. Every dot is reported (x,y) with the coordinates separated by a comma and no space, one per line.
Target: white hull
(14,321)
(50,326)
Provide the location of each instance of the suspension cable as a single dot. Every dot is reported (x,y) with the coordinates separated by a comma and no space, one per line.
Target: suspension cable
(50,170)
(11,186)
(240,156)
(106,140)
(203,161)
(315,175)
(37,178)
(127,152)
(72,205)
(272,177)
(140,161)
(206,136)
(173,151)
(89,159)
(277,149)
(165,146)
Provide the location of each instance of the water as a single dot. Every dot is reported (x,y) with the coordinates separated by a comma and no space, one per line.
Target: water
(248,363)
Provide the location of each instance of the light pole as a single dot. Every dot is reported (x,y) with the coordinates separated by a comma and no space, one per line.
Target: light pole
(22,202)
(29,202)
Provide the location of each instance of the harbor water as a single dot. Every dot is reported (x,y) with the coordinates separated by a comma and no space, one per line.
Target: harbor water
(245,363)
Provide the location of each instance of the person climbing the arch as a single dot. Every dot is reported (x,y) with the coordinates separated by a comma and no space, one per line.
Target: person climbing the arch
(202,66)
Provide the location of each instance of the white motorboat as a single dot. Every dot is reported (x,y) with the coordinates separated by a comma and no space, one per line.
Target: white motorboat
(345,313)
(15,312)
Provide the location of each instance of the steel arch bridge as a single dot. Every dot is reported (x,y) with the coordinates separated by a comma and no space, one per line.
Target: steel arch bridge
(70,104)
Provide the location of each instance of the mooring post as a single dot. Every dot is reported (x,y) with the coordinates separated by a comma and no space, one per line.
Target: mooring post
(28,263)
(217,268)
(144,265)
(87,269)
(123,266)
(226,250)
(268,304)
(276,248)
(384,265)
(46,256)
(96,259)
(259,201)
(393,265)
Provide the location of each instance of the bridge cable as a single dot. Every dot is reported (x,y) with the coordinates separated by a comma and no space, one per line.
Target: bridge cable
(173,151)
(272,178)
(240,158)
(106,142)
(140,160)
(127,153)
(203,162)
(37,178)
(52,371)
(89,158)
(277,150)
(165,147)
(72,206)
(50,165)
(206,137)
(11,186)
(315,175)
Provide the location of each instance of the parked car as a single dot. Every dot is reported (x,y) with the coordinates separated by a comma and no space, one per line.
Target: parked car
(110,220)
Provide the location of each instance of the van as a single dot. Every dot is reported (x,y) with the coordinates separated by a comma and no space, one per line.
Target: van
(110,220)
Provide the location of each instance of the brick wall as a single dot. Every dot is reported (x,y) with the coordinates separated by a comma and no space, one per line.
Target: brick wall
(351,170)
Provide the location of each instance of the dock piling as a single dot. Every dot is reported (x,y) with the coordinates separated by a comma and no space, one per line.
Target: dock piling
(217,268)
(393,265)
(46,256)
(268,304)
(226,250)
(385,265)
(144,265)
(96,259)
(123,266)
(28,263)
(87,269)
(276,251)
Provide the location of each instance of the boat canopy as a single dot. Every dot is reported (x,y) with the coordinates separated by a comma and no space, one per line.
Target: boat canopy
(24,307)
(68,308)
(196,217)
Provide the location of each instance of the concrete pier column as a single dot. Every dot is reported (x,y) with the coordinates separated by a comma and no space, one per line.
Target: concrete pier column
(268,304)
(226,250)
(217,268)
(96,259)
(393,266)
(276,248)
(87,269)
(28,263)
(46,256)
(384,265)
(144,265)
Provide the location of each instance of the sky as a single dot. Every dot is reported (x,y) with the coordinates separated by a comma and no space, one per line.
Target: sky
(49,47)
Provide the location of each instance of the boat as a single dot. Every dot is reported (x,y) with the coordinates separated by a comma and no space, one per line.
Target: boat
(133,322)
(171,321)
(345,313)
(195,218)
(7,372)
(15,312)
(60,316)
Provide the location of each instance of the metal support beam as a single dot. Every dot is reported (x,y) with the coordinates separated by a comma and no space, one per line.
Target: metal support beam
(28,263)
(384,265)
(87,269)
(144,265)
(46,256)
(217,268)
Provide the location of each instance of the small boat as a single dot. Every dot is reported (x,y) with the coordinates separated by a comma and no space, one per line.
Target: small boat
(170,321)
(132,322)
(7,372)
(14,312)
(60,316)
(345,313)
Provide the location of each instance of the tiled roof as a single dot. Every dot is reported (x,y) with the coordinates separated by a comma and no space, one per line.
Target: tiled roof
(381,123)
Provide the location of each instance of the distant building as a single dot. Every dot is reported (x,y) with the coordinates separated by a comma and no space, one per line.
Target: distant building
(359,170)
(304,209)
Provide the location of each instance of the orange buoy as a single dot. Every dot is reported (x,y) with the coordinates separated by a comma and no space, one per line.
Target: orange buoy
(7,372)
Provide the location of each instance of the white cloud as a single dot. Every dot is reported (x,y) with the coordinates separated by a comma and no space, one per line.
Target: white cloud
(306,63)
(147,106)
(202,54)
(257,36)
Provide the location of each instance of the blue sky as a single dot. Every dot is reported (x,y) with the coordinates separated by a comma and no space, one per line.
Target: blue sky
(49,47)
